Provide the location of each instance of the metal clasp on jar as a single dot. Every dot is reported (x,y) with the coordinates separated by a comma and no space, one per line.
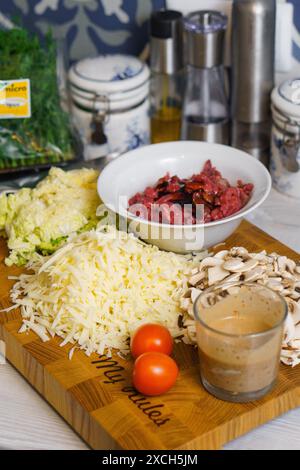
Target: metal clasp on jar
(290,147)
(101,111)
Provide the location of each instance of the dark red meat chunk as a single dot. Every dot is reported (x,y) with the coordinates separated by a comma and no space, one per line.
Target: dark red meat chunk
(176,201)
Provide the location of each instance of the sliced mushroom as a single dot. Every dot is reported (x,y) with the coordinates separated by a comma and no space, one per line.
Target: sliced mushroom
(254,274)
(221,254)
(291,265)
(239,251)
(210,261)
(228,270)
(196,278)
(281,261)
(216,274)
(185,303)
(275,284)
(247,266)
(233,264)
(289,329)
(195,294)
(233,277)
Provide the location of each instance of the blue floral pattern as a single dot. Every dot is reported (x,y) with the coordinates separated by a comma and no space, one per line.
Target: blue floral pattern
(89,26)
(136,137)
(123,74)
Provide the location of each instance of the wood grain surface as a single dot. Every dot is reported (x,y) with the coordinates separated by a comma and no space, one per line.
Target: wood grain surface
(95,396)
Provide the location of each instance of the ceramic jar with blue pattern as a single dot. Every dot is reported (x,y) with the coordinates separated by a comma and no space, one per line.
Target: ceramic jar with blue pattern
(285,143)
(115,88)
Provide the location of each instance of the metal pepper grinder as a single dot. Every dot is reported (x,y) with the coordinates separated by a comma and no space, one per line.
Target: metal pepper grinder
(205,110)
(253,44)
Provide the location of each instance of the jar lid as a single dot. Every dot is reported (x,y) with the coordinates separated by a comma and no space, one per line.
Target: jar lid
(164,24)
(108,74)
(286,98)
(205,21)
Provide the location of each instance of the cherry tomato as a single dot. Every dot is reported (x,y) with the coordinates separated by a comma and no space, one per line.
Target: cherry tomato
(154,373)
(151,338)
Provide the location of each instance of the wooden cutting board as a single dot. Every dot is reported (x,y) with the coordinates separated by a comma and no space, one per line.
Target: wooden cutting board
(94,394)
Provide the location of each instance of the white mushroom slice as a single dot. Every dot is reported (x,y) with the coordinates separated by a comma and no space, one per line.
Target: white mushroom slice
(227,285)
(281,261)
(261,257)
(194,271)
(287,275)
(195,293)
(295,295)
(247,266)
(274,284)
(276,279)
(297,333)
(289,329)
(228,270)
(254,274)
(190,311)
(294,309)
(290,357)
(196,278)
(221,254)
(210,261)
(233,264)
(185,303)
(286,292)
(232,278)
(239,251)
(296,345)
(216,274)
(189,322)
(275,266)
(291,265)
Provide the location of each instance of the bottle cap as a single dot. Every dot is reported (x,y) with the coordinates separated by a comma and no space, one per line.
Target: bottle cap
(165,23)
(166,41)
(205,31)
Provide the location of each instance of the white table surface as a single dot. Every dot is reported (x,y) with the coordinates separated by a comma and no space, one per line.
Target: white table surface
(28,422)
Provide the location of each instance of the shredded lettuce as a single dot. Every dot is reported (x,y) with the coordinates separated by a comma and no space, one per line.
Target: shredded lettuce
(38,221)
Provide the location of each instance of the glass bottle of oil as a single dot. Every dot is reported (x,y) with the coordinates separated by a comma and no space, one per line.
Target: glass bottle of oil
(167,75)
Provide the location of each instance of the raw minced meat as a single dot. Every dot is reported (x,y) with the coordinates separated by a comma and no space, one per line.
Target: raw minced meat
(174,200)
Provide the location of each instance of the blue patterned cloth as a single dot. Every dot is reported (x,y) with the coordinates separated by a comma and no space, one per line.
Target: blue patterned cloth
(296,42)
(89,26)
(99,26)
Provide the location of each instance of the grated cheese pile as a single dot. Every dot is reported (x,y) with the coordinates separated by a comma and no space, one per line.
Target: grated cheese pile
(95,290)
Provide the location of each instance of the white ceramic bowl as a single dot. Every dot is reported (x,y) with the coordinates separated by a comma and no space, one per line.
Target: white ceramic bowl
(142,167)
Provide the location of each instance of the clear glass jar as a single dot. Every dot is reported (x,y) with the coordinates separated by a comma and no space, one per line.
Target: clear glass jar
(205,99)
(239,336)
(166,103)
(205,110)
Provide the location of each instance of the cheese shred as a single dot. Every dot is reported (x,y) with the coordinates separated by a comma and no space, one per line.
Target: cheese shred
(99,287)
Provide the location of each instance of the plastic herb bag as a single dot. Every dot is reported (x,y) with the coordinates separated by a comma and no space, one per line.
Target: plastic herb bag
(34,130)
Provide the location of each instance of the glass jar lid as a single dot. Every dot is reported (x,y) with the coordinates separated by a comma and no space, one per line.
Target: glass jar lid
(286,98)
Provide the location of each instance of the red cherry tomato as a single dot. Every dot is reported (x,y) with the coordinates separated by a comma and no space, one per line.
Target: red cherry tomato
(154,373)
(151,338)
